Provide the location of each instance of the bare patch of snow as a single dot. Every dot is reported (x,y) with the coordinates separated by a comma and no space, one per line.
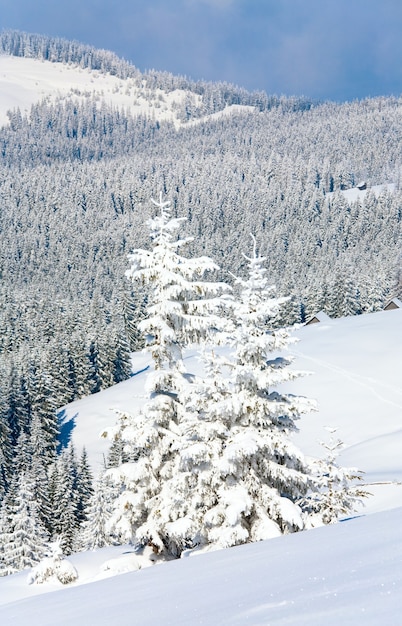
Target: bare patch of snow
(232,109)
(355,193)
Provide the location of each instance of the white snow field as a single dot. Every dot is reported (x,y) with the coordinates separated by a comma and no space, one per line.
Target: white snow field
(348,573)
(24,82)
(356,379)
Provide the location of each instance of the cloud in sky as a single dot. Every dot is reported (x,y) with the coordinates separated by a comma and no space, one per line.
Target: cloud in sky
(337,49)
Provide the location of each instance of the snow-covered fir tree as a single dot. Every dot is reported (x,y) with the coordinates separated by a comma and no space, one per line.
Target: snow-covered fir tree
(95,529)
(262,474)
(22,536)
(70,492)
(182,309)
(53,567)
(64,523)
(83,487)
(5,455)
(341,489)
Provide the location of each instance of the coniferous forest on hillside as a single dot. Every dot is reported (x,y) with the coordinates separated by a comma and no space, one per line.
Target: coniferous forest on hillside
(76,179)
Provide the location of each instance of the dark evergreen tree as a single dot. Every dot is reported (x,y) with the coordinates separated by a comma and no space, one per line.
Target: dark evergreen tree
(64,501)
(24,538)
(95,529)
(83,487)
(6,452)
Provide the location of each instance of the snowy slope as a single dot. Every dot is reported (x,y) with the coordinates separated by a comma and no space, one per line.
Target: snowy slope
(350,573)
(25,81)
(355,366)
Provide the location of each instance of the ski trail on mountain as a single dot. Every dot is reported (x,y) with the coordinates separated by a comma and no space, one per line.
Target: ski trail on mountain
(363,381)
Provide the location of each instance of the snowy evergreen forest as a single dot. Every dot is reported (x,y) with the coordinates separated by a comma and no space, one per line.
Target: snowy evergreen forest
(75,187)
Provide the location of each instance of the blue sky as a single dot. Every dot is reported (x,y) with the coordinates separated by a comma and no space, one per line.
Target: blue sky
(326,49)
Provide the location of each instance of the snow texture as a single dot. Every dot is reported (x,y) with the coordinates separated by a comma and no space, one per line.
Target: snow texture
(349,573)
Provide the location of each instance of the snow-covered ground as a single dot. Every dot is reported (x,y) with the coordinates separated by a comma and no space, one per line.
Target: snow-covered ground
(26,81)
(23,82)
(350,573)
(355,193)
(355,365)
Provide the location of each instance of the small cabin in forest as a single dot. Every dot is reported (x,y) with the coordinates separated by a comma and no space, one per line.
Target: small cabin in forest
(362,185)
(318,317)
(393,304)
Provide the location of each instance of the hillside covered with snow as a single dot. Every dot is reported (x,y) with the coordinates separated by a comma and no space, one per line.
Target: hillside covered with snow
(28,81)
(353,373)
(348,573)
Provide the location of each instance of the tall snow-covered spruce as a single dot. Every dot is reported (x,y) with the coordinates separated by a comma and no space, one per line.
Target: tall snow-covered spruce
(209,462)
(263,475)
(239,477)
(182,309)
